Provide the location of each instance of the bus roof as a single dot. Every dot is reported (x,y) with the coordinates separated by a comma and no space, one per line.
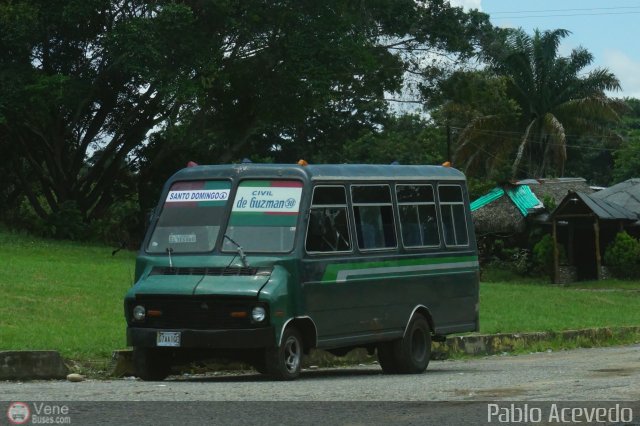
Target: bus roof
(324,172)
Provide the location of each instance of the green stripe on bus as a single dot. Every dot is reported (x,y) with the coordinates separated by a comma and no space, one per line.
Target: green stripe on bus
(374,276)
(333,270)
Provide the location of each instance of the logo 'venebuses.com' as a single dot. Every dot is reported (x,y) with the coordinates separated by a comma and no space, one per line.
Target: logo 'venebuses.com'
(18,413)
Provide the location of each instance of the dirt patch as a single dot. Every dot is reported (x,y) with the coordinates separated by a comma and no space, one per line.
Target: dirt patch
(489,393)
(614,371)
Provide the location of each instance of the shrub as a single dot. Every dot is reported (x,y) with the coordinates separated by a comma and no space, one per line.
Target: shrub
(622,256)
(120,225)
(67,223)
(543,254)
(549,202)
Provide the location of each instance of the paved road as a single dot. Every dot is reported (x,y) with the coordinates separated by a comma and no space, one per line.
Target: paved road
(595,374)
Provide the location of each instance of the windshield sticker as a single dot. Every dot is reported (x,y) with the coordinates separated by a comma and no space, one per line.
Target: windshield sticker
(267,203)
(198,194)
(268,200)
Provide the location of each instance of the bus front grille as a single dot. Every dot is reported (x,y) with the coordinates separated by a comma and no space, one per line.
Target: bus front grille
(196,313)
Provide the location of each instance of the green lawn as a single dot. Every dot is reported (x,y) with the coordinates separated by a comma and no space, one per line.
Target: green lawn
(68,297)
(63,296)
(509,307)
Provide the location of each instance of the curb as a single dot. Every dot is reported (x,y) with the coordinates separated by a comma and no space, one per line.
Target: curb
(491,344)
(476,345)
(32,365)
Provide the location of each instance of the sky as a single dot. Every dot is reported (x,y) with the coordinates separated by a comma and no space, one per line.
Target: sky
(609,29)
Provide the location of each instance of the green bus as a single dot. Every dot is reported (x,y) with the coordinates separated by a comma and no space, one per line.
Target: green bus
(264,262)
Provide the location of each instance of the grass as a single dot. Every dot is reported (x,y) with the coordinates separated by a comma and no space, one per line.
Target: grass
(63,296)
(494,274)
(68,297)
(508,307)
(512,303)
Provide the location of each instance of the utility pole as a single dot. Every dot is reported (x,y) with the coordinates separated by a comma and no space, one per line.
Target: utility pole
(449,144)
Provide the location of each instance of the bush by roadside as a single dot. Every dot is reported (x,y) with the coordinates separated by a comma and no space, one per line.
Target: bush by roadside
(622,256)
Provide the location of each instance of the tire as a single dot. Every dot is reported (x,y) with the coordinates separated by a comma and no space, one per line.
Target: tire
(284,362)
(150,364)
(386,358)
(412,353)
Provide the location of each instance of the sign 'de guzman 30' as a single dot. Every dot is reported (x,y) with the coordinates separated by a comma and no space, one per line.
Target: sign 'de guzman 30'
(270,197)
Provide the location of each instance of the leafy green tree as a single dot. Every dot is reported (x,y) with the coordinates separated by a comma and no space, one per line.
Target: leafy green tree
(555,97)
(627,157)
(86,84)
(82,83)
(592,156)
(481,98)
(407,139)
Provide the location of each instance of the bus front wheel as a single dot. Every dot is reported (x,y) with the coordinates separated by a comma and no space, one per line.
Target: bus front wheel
(284,362)
(408,355)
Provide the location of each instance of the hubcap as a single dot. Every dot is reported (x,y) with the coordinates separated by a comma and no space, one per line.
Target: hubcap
(292,354)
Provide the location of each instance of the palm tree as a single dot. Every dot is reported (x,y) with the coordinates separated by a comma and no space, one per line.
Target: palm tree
(554,97)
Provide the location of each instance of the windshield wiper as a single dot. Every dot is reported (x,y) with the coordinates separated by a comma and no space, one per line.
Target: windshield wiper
(169,251)
(243,257)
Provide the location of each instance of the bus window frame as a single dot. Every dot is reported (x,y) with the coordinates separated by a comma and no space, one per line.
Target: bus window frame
(464,211)
(420,203)
(232,196)
(159,208)
(346,207)
(393,214)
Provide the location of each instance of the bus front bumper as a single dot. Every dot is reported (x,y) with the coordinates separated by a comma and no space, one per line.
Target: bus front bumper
(251,338)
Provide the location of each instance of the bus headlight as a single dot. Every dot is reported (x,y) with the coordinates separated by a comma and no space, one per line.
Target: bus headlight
(139,313)
(258,314)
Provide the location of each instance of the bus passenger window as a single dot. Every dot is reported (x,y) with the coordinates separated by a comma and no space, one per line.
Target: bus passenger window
(454,222)
(373,214)
(418,220)
(328,229)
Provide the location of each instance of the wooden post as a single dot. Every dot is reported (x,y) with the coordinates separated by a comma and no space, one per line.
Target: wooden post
(596,229)
(556,267)
(570,244)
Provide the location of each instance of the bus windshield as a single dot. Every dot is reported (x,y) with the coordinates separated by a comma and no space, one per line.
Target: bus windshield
(264,216)
(191,217)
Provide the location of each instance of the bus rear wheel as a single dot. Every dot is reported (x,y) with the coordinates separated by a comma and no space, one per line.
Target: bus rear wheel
(411,354)
(284,362)
(150,364)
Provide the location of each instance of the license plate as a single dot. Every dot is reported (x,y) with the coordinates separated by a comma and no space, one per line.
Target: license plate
(168,338)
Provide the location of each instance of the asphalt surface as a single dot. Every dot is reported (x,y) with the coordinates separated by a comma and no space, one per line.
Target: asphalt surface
(355,395)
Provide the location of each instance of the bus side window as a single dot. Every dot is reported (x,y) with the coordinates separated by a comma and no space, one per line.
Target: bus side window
(454,222)
(417,212)
(373,214)
(328,229)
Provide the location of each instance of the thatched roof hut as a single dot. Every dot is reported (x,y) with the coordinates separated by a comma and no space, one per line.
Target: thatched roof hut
(500,216)
(557,188)
(506,210)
